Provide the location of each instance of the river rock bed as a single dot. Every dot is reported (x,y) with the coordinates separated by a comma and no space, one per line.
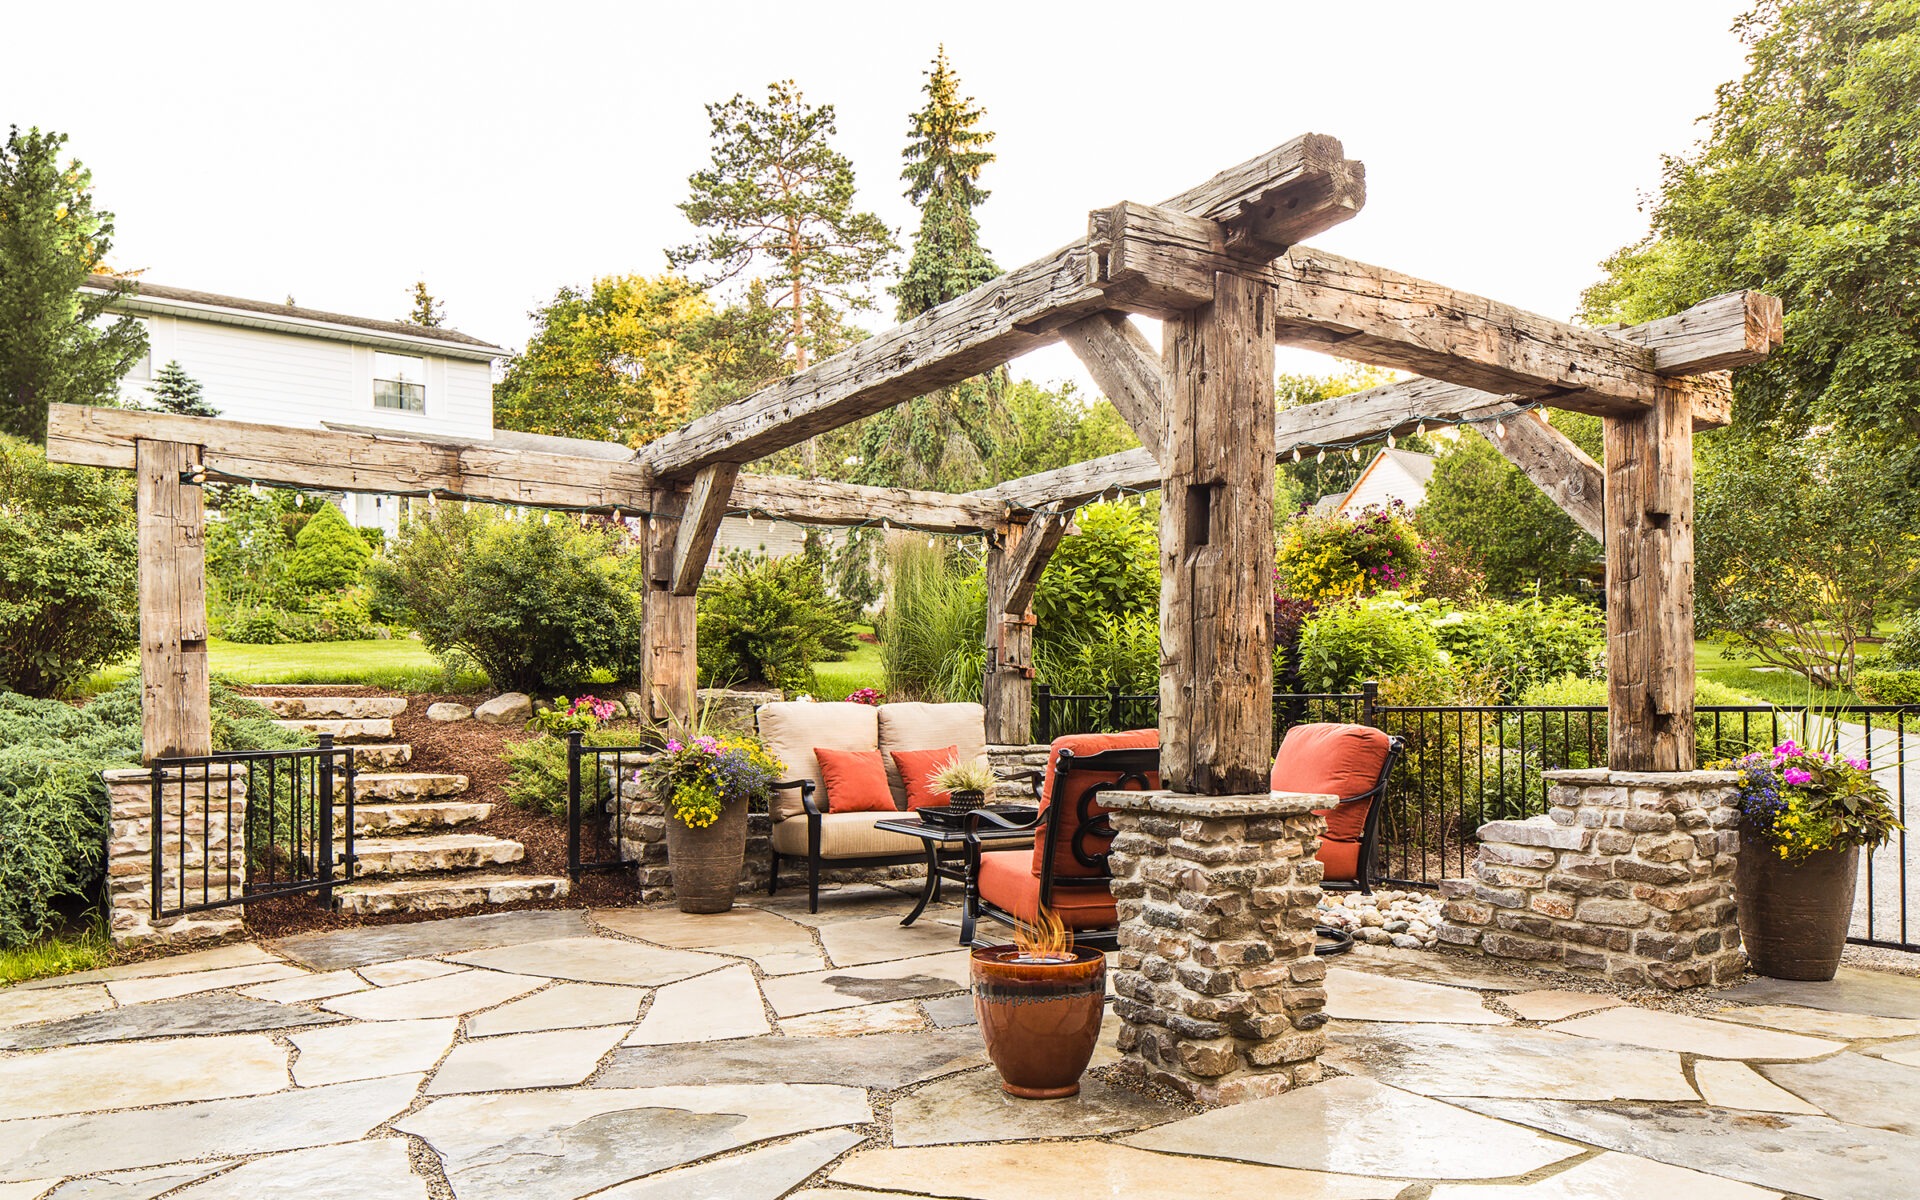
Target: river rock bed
(1385,918)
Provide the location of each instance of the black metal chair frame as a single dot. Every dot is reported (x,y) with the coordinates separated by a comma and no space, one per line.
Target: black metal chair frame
(813,815)
(1133,765)
(1339,941)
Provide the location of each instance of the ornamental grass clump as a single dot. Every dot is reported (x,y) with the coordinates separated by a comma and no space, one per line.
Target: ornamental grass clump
(699,778)
(1797,802)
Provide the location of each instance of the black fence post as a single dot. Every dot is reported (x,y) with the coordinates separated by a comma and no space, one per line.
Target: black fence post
(1369,700)
(324,851)
(573,805)
(159,836)
(1113,710)
(1043,695)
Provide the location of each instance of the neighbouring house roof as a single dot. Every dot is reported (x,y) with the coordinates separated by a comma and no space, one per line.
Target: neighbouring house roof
(158,299)
(1414,469)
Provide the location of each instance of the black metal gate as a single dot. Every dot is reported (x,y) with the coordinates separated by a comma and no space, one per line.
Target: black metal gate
(602,781)
(243,826)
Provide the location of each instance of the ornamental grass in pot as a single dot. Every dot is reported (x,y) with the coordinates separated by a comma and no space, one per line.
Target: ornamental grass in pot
(707,784)
(1804,817)
(1039,1004)
(967,784)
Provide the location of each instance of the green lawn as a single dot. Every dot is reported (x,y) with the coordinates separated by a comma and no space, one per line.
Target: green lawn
(1711,660)
(859,669)
(398,663)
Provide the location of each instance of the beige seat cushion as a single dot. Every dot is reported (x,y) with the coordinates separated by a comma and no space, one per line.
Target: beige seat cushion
(791,729)
(929,727)
(845,835)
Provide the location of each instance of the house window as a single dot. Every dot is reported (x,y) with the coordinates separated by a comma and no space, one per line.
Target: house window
(399,382)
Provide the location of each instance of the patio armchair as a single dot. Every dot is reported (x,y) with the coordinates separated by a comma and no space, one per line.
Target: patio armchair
(1066,870)
(1354,763)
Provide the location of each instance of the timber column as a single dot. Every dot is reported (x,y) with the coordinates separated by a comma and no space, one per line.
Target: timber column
(174,700)
(669,654)
(1015,559)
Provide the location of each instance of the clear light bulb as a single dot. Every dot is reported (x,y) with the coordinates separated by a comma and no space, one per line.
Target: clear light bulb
(1296,454)
(1322,456)
(1389,441)
(1500,428)
(1420,430)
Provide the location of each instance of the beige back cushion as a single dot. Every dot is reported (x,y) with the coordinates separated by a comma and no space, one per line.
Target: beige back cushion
(929,727)
(791,729)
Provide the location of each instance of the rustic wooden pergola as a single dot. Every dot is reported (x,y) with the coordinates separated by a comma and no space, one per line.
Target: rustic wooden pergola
(1223,266)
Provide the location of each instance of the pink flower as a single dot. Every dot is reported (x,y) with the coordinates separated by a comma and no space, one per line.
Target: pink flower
(1859,764)
(1795,775)
(674,746)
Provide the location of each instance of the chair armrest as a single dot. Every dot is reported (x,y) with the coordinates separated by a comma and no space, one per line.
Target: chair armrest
(981,816)
(806,793)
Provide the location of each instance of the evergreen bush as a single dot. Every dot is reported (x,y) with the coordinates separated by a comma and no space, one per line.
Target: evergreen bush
(767,620)
(1344,645)
(328,555)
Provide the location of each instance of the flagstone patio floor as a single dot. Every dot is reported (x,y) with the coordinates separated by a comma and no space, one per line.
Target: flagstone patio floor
(767,1052)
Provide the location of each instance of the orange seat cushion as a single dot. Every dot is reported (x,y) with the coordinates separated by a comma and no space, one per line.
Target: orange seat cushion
(1007,882)
(856,780)
(1341,760)
(915,766)
(1078,784)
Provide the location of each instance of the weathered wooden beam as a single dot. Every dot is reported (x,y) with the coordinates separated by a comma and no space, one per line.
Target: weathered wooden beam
(1126,368)
(669,645)
(1216,545)
(175,719)
(828,502)
(1725,331)
(1562,470)
(995,322)
(693,543)
(1037,542)
(1015,559)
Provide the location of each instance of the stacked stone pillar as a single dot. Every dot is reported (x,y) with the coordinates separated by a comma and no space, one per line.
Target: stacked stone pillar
(203,854)
(1217,984)
(1628,877)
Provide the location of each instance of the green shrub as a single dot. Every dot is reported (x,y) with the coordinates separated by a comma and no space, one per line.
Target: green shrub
(1112,653)
(250,539)
(539,603)
(1576,741)
(68,560)
(933,629)
(1888,687)
(1529,642)
(1111,568)
(537,770)
(334,617)
(1331,556)
(1901,650)
(767,620)
(328,555)
(1343,645)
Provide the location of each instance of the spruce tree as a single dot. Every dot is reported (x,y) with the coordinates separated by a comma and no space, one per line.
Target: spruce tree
(427,311)
(175,391)
(328,554)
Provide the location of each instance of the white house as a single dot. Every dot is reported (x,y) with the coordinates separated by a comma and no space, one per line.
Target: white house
(1391,475)
(284,365)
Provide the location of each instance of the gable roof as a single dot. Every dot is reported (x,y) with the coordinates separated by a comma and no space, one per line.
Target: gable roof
(1414,465)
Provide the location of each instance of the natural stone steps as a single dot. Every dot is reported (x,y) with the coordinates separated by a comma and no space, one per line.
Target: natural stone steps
(377,787)
(384,820)
(352,707)
(445,893)
(380,756)
(342,729)
(442,852)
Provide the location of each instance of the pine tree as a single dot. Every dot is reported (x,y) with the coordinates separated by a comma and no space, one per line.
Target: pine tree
(52,238)
(328,554)
(175,391)
(427,311)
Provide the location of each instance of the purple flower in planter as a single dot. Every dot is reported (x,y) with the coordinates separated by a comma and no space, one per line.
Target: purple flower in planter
(1795,775)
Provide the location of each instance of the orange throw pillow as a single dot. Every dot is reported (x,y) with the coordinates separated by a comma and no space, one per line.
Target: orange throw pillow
(915,766)
(856,780)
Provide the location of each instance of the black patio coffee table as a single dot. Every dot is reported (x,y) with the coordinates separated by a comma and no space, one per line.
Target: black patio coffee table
(946,851)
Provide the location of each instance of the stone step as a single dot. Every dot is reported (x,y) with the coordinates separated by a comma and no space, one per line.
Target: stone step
(445,893)
(442,852)
(342,729)
(376,787)
(384,820)
(356,707)
(380,756)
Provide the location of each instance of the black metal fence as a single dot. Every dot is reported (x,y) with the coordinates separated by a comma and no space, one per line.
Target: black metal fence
(1469,764)
(246,825)
(601,782)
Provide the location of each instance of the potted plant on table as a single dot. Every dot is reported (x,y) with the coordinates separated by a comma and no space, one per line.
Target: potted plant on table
(967,784)
(707,785)
(1804,816)
(1039,1003)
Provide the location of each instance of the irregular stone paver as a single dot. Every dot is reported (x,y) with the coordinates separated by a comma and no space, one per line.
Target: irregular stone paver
(1695,1035)
(554,1058)
(239,954)
(354,1171)
(96,1078)
(384,943)
(1907,1052)
(1611,1175)
(763,1174)
(595,960)
(447,996)
(883,939)
(1809,1156)
(857,1022)
(973,1108)
(949,1011)
(845,902)
(885,1060)
(708,1008)
(1467,1060)
(1553,1005)
(405,970)
(186,1017)
(28,1189)
(1877,993)
(573,1143)
(1430,966)
(562,1006)
(1075,1169)
(339,1053)
(909,979)
(166,987)
(50,1147)
(1359,996)
(143,1184)
(776,944)
(1820,1023)
(1856,1089)
(1359,1127)
(316,986)
(1726,1084)
(52,1004)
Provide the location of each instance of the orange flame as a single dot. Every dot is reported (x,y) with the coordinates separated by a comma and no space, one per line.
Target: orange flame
(1047,939)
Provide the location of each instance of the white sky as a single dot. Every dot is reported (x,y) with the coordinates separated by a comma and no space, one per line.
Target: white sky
(336,152)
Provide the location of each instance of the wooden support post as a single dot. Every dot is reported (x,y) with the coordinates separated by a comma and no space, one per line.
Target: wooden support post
(174,705)
(1216,545)
(1558,467)
(669,655)
(706,507)
(1124,364)
(1649,511)
(1015,560)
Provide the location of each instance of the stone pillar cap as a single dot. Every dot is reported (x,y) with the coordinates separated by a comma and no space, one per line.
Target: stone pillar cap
(1601,776)
(1252,804)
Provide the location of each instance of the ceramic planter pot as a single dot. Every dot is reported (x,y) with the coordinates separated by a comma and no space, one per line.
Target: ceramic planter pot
(706,862)
(1040,1020)
(966,800)
(1794,915)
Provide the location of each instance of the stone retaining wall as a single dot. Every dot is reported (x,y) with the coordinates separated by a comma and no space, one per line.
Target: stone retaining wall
(1217,982)
(1629,876)
(206,861)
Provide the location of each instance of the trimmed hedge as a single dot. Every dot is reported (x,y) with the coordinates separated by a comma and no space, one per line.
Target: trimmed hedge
(1888,687)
